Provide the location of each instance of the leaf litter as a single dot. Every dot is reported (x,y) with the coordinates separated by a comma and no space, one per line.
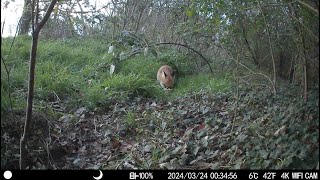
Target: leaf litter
(196,131)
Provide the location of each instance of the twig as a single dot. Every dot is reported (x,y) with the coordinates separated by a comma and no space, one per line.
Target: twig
(249,68)
(263,85)
(272,83)
(309,7)
(236,105)
(271,49)
(225,135)
(9,90)
(57,97)
(235,152)
(260,136)
(122,161)
(190,49)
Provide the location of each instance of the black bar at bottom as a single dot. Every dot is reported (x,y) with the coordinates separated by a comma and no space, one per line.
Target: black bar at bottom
(161,174)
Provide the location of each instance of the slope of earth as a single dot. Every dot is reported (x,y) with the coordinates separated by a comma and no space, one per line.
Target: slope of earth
(254,130)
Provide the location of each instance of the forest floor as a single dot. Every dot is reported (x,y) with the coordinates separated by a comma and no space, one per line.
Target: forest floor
(85,117)
(196,131)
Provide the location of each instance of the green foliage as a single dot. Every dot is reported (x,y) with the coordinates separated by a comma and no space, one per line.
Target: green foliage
(200,123)
(95,96)
(257,130)
(20,51)
(17,96)
(147,66)
(55,78)
(186,80)
(281,136)
(131,84)
(183,65)
(128,44)
(130,119)
(77,53)
(61,69)
(80,77)
(201,82)
(5,100)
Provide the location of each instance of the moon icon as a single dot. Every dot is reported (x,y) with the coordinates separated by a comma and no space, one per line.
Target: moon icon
(100,176)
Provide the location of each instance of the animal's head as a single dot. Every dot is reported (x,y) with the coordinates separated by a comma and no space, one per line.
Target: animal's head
(165,76)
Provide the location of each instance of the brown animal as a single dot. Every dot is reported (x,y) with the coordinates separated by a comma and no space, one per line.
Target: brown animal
(165,76)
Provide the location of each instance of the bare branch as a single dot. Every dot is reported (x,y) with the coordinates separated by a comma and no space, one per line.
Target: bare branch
(192,50)
(46,16)
(309,7)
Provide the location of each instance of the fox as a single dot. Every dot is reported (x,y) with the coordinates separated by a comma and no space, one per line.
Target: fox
(165,77)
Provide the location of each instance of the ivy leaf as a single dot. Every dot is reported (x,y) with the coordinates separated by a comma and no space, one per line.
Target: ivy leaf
(239,162)
(264,154)
(145,51)
(242,137)
(111,48)
(280,131)
(112,68)
(189,12)
(212,155)
(195,150)
(163,125)
(183,159)
(188,132)
(196,160)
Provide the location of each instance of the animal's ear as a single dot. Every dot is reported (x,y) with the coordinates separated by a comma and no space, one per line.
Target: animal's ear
(163,74)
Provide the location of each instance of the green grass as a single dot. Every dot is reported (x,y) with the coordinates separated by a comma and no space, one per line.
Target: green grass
(200,82)
(77,72)
(5,100)
(141,65)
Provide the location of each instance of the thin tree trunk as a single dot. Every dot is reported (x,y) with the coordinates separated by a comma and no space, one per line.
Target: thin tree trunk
(302,50)
(25,19)
(244,33)
(305,66)
(139,18)
(32,64)
(271,50)
(305,90)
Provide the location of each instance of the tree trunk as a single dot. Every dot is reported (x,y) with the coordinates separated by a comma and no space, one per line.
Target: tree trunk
(141,9)
(246,41)
(271,49)
(25,20)
(32,65)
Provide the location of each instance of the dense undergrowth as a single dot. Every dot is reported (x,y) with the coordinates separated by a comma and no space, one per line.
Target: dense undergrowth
(77,73)
(205,122)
